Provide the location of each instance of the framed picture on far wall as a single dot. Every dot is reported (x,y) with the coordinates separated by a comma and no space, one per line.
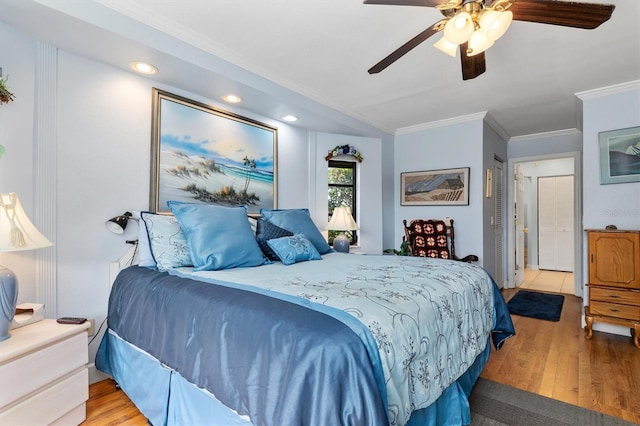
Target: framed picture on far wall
(620,156)
(446,187)
(202,154)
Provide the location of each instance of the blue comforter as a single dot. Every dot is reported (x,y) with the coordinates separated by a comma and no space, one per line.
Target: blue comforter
(420,325)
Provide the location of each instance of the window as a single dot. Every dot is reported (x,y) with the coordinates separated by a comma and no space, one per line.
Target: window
(342,190)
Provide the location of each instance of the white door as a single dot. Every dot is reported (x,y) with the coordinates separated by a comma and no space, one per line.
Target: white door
(498,223)
(555,223)
(519,225)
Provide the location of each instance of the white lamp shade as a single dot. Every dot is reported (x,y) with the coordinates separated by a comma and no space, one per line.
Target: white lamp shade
(495,23)
(17,233)
(479,42)
(445,46)
(459,28)
(341,220)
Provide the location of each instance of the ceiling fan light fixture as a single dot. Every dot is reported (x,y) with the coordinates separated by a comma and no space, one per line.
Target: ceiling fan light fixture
(445,46)
(458,29)
(479,42)
(495,23)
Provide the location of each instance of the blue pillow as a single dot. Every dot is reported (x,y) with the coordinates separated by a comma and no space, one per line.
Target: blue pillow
(293,249)
(266,231)
(298,221)
(166,240)
(219,237)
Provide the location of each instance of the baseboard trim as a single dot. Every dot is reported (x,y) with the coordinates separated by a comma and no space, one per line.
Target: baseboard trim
(96,375)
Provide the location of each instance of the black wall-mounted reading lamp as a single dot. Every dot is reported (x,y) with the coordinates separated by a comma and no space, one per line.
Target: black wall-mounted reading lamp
(118,224)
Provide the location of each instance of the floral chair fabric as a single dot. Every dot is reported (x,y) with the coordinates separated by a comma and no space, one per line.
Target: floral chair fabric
(432,238)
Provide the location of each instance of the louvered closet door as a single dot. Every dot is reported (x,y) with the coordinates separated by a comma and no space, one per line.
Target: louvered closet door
(555,223)
(498,225)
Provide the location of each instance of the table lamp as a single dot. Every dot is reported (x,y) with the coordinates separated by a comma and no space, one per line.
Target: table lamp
(341,220)
(17,233)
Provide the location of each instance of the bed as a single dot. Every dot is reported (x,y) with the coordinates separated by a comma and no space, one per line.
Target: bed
(306,337)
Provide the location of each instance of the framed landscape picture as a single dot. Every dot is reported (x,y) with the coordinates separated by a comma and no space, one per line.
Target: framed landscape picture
(620,156)
(446,187)
(202,154)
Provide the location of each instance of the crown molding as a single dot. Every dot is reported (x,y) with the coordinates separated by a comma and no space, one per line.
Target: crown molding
(544,135)
(609,90)
(441,123)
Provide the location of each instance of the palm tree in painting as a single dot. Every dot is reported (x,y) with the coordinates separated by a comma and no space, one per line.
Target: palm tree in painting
(251,166)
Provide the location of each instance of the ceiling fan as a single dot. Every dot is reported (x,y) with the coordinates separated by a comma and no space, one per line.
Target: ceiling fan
(474,25)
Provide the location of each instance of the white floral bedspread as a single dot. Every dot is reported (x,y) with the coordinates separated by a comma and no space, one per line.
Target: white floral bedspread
(430,317)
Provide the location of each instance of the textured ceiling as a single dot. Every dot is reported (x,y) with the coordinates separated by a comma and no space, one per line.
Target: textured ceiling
(322,50)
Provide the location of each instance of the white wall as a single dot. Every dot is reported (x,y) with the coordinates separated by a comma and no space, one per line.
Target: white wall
(103,126)
(442,147)
(618,204)
(17,55)
(494,149)
(368,191)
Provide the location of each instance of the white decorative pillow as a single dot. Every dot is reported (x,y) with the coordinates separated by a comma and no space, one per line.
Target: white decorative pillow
(167,241)
(145,258)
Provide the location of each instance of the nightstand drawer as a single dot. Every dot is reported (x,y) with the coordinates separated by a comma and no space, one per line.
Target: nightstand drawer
(625,297)
(53,402)
(26,374)
(615,310)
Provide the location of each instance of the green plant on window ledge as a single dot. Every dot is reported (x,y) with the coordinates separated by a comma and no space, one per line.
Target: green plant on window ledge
(5,95)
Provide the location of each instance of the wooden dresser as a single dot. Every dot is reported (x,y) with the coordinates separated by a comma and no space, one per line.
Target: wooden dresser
(614,280)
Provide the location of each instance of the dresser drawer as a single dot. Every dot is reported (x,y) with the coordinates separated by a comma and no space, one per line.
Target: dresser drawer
(51,403)
(625,297)
(26,374)
(614,310)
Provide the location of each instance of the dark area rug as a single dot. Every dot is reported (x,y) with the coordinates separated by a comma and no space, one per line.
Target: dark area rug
(494,404)
(537,305)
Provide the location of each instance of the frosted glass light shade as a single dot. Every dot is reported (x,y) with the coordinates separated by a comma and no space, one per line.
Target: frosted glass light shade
(479,42)
(495,23)
(459,28)
(445,46)
(17,233)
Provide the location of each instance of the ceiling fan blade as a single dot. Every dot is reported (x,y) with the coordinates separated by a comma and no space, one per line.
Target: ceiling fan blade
(405,48)
(425,3)
(564,13)
(472,66)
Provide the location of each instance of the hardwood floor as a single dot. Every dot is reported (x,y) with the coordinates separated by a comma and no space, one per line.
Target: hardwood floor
(555,360)
(548,358)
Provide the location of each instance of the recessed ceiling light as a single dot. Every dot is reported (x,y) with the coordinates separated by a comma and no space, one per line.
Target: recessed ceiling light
(234,99)
(143,67)
(290,118)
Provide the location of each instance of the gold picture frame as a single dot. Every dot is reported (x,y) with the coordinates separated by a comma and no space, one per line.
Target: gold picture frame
(202,154)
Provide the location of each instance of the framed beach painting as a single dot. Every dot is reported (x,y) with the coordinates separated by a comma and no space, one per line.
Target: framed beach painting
(446,187)
(620,156)
(202,154)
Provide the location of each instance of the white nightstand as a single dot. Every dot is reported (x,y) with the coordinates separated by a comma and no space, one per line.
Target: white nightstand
(43,374)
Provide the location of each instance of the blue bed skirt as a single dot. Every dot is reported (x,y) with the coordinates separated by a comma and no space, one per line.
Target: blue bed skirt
(166,398)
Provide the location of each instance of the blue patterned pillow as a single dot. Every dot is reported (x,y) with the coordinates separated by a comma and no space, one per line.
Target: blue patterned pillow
(218,237)
(298,221)
(266,231)
(293,249)
(167,242)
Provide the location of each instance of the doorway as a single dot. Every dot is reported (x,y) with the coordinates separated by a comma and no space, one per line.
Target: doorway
(525,231)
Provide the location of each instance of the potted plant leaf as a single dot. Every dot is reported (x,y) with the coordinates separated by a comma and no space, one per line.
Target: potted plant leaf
(5,95)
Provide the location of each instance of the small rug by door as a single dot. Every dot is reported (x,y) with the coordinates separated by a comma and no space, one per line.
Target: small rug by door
(537,305)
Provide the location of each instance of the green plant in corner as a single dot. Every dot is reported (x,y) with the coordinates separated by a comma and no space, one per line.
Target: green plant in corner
(404,249)
(5,95)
